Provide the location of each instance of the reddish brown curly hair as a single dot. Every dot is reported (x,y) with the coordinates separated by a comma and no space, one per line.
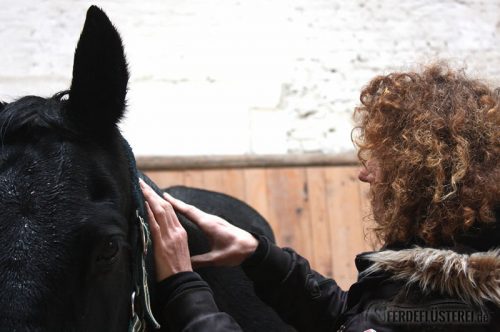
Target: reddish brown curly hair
(435,136)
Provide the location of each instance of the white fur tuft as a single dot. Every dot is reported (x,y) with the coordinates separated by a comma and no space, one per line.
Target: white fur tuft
(472,278)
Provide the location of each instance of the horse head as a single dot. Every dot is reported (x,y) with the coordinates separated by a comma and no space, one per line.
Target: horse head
(73,237)
(66,198)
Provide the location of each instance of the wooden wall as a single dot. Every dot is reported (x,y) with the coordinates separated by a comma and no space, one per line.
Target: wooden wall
(317,210)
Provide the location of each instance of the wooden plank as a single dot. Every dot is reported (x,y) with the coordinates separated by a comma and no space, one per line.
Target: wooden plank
(194,178)
(256,191)
(320,229)
(212,179)
(228,181)
(287,196)
(346,227)
(166,179)
(234,183)
(245,161)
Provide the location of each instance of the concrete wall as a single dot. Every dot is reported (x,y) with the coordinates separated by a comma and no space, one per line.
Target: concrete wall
(255,76)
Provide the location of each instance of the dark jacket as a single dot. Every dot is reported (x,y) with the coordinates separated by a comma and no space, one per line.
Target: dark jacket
(412,289)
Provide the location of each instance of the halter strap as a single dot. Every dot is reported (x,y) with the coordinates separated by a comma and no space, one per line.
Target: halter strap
(140,242)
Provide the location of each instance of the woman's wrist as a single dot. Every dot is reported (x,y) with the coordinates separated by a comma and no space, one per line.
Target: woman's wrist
(260,251)
(249,246)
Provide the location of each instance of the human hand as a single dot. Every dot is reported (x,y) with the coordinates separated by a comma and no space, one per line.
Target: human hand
(170,243)
(230,245)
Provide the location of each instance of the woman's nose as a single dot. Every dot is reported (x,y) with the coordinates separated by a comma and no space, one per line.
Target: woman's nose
(366,175)
(363,174)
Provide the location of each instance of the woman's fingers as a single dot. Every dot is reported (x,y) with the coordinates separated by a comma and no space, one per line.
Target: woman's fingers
(194,214)
(153,225)
(189,210)
(152,198)
(162,210)
(169,237)
(230,245)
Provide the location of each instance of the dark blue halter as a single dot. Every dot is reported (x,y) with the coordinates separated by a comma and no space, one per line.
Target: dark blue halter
(140,242)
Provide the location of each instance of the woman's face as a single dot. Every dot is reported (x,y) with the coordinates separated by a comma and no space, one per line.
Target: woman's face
(371,173)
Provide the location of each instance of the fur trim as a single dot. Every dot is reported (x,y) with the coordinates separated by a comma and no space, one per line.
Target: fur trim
(474,278)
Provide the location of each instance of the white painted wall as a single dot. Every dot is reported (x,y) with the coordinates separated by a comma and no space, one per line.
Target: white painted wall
(255,76)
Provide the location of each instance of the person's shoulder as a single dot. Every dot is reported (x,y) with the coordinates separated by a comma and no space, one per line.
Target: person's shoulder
(432,286)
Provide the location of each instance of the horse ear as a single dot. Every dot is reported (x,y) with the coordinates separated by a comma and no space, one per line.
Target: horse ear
(100,75)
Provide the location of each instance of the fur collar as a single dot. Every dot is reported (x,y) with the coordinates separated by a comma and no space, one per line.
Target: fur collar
(473,278)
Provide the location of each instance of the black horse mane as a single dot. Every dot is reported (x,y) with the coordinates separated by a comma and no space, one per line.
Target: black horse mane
(31,114)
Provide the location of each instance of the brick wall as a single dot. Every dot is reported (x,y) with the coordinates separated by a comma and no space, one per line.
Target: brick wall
(236,77)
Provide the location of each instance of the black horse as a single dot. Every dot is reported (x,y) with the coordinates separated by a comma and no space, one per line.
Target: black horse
(71,226)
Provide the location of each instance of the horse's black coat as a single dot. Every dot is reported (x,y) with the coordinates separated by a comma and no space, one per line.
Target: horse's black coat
(63,228)
(65,205)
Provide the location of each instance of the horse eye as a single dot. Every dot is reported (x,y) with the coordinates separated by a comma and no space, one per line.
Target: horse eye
(108,251)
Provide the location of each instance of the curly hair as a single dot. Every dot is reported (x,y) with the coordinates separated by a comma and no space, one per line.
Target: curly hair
(435,136)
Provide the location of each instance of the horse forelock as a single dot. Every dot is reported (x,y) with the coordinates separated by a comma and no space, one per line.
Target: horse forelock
(30,114)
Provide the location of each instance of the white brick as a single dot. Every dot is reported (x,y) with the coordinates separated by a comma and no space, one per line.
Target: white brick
(268,129)
(203,73)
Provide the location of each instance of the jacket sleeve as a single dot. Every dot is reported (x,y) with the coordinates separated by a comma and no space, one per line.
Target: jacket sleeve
(188,305)
(302,297)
